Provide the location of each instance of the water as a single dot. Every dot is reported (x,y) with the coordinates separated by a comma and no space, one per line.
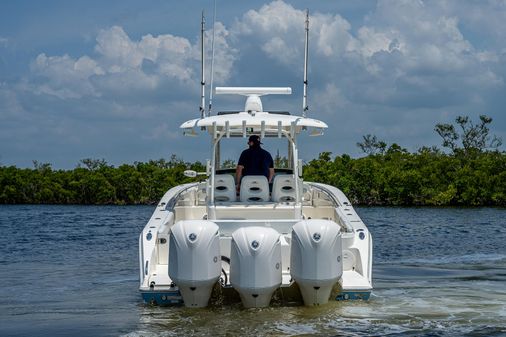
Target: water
(72,270)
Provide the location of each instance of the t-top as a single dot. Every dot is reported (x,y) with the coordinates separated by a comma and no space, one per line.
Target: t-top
(256,162)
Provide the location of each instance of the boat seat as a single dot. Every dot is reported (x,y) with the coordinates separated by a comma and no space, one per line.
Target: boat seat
(254,189)
(224,188)
(283,188)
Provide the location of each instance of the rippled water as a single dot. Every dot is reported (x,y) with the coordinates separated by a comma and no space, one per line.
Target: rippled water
(72,270)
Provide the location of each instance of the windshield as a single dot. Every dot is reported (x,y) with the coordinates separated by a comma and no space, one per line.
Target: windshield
(230,150)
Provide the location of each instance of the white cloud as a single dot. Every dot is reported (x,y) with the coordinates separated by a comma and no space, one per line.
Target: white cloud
(120,54)
(119,64)
(485,19)
(66,77)
(3,41)
(224,53)
(429,39)
(280,29)
(117,50)
(401,42)
(274,25)
(372,42)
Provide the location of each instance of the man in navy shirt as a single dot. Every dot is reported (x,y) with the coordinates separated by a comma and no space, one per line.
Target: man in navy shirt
(254,161)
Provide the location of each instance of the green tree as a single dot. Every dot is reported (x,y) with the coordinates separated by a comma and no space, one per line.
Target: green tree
(228,164)
(473,137)
(371,145)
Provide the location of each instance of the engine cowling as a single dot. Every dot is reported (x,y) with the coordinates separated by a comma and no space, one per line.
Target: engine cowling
(316,259)
(195,259)
(255,264)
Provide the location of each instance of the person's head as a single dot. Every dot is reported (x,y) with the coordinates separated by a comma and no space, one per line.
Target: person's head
(254,140)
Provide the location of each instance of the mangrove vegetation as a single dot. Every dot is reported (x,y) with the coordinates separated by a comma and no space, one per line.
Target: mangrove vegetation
(469,170)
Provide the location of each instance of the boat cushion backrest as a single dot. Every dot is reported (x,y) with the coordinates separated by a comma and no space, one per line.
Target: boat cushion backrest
(254,188)
(224,188)
(283,188)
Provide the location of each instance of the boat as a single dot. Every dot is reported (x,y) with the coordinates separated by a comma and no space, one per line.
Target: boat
(299,241)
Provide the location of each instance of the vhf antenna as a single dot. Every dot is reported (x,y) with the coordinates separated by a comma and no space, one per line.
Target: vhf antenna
(304,98)
(203,80)
(212,63)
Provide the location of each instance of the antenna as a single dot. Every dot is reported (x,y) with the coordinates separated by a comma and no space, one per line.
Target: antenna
(203,80)
(304,98)
(212,63)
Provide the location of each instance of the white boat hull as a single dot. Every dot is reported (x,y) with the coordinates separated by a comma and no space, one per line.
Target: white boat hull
(324,203)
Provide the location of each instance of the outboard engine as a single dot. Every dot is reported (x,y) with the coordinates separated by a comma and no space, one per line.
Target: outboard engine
(255,264)
(316,261)
(195,259)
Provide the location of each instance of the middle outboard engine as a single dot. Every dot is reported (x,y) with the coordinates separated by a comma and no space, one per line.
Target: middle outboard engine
(316,259)
(195,259)
(255,264)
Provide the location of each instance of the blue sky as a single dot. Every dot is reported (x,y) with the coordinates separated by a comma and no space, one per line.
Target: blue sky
(115,79)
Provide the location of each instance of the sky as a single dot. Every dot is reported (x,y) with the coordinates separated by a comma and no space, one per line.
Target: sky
(114,80)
